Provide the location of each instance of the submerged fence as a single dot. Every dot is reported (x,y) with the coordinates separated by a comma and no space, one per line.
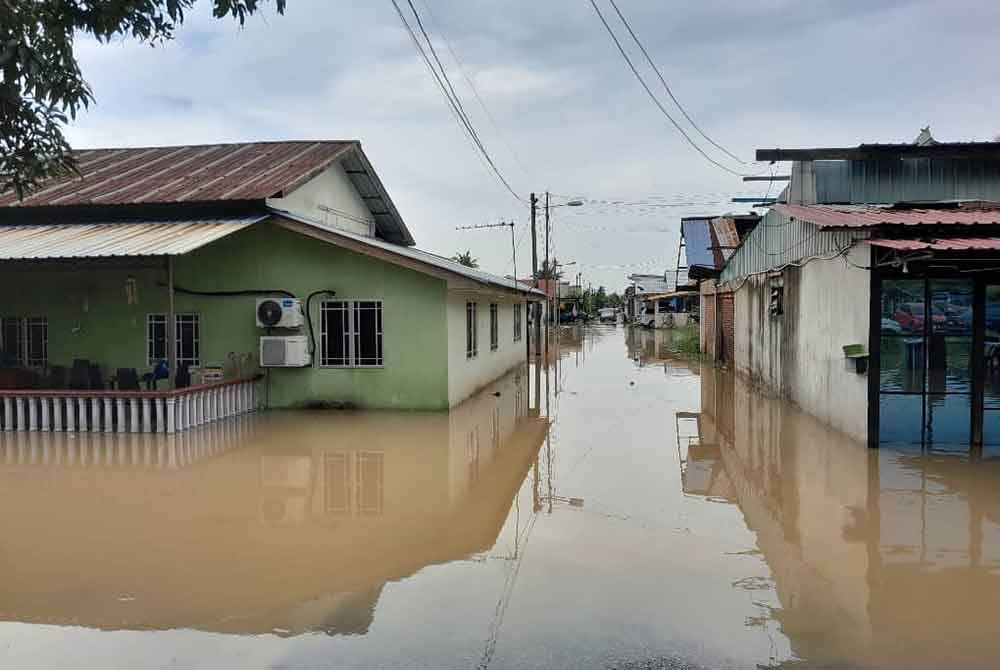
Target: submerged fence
(125,411)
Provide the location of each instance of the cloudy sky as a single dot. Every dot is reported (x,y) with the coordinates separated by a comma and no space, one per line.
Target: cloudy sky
(567,114)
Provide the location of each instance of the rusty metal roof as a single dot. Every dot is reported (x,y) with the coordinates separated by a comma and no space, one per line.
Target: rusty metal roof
(130,238)
(943,244)
(212,172)
(866,216)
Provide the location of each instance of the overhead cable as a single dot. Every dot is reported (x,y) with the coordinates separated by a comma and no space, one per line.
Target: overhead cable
(663,81)
(446,89)
(656,101)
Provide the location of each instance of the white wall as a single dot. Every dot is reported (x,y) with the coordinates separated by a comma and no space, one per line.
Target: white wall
(330,190)
(465,376)
(799,355)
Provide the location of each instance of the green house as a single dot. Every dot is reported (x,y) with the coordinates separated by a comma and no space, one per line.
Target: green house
(284,262)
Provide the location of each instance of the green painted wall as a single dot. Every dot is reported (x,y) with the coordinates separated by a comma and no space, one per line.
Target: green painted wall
(89,316)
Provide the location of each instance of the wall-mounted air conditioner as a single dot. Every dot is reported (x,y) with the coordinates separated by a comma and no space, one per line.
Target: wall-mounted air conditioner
(284,352)
(279,313)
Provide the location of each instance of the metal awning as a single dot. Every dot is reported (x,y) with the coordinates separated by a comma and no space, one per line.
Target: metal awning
(943,244)
(111,239)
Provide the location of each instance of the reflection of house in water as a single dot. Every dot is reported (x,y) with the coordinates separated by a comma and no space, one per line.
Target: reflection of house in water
(879,558)
(298,529)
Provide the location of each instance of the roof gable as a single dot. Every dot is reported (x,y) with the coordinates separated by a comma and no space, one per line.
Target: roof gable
(213,173)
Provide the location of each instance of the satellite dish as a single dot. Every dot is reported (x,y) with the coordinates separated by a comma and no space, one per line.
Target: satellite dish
(269,312)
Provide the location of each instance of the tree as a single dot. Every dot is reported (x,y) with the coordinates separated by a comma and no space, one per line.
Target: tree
(549,270)
(42,87)
(466,259)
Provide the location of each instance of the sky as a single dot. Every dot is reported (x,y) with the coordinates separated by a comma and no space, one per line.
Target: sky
(565,114)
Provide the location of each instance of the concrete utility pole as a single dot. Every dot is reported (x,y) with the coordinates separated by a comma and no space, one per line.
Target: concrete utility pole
(534,272)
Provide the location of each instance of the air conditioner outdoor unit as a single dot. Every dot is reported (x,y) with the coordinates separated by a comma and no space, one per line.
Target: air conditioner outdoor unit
(284,352)
(279,313)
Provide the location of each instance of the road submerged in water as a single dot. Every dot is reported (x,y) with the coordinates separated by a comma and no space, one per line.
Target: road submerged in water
(666,517)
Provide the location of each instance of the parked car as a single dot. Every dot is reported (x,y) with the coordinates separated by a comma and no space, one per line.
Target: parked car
(890,326)
(608,314)
(910,316)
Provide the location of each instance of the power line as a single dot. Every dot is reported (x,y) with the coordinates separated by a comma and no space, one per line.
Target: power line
(656,100)
(667,87)
(475,91)
(453,102)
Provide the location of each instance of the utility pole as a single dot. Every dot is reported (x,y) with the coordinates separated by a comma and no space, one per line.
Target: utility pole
(537,310)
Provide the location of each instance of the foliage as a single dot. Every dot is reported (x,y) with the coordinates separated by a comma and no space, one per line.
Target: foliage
(42,87)
(466,259)
(549,270)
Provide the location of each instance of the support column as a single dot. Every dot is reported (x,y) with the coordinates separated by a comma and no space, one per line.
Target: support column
(57,414)
(171,325)
(32,414)
(21,422)
(133,411)
(147,415)
(95,415)
(8,414)
(46,414)
(81,404)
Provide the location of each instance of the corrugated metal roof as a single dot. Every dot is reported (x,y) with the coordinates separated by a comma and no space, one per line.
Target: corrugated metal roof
(860,216)
(212,173)
(413,253)
(945,244)
(132,238)
(247,171)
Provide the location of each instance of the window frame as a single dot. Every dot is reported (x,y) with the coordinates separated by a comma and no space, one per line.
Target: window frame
(471,330)
(349,309)
(23,326)
(494,326)
(179,317)
(517,322)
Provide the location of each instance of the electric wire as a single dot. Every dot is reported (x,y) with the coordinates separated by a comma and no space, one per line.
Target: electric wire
(475,91)
(656,101)
(663,81)
(448,91)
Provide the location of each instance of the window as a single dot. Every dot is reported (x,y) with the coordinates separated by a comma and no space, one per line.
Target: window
(38,342)
(351,334)
(353,483)
(494,327)
(25,341)
(517,321)
(187,330)
(471,331)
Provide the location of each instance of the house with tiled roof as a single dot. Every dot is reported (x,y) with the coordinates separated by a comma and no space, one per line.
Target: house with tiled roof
(282,269)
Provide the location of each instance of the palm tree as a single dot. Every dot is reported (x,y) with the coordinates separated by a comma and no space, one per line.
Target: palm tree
(466,259)
(549,270)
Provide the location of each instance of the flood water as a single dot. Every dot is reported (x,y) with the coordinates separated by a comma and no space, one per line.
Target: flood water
(664,515)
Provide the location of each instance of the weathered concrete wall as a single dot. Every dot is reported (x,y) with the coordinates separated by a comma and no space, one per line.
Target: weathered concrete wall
(799,355)
(329,197)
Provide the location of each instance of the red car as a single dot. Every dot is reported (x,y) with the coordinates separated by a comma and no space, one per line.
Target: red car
(910,316)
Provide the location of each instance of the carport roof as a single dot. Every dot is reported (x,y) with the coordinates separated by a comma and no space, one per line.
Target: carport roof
(112,239)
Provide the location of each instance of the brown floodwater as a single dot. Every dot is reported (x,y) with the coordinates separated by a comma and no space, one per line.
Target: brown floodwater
(663,515)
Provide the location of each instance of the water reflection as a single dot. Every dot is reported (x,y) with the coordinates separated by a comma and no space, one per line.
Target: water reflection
(281,523)
(880,558)
(659,347)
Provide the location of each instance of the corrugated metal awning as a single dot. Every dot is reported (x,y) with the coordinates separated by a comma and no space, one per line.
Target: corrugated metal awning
(944,244)
(865,216)
(106,239)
